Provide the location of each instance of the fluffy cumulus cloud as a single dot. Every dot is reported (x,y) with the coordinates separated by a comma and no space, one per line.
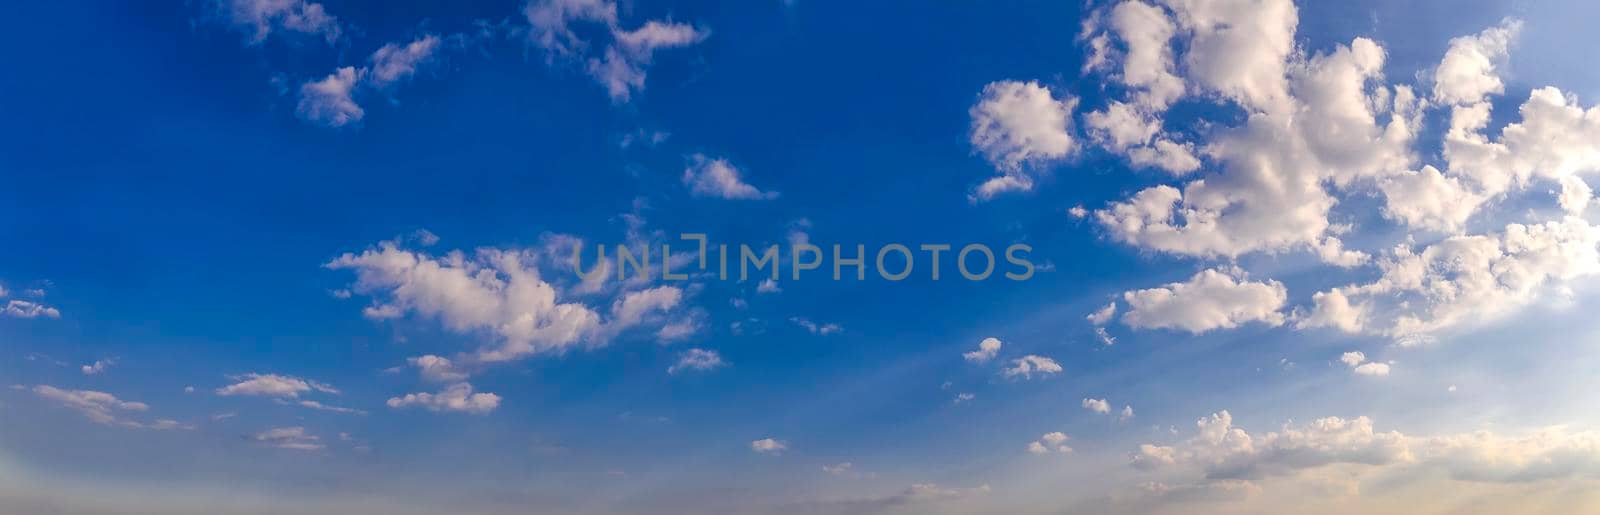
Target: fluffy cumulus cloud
(1211,299)
(1020,127)
(1461,279)
(99,365)
(1319,126)
(1097,405)
(1312,120)
(698,360)
(500,293)
(273,385)
(621,66)
(19,308)
(1103,315)
(717,178)
(1028,366)
(1055,442)
(457,397)
(1143,64)
(1357,361)
(987,349)
(437,369)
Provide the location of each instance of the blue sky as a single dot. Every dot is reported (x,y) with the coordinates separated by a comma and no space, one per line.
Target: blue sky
(283,256)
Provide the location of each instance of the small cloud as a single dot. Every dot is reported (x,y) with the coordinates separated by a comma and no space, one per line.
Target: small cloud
(24,309)
(98,366)
(769,446)
(697,360)
(456,397)
(1029,365)
(839,469)
(1097,405)
(273,385)
(717,178)
(1055,442)
(1358,364)
(963,398)
(987,349)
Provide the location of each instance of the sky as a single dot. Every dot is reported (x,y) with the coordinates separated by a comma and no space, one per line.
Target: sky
(1248,257)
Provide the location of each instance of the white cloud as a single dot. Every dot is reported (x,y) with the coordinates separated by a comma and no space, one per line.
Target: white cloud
(816,328)
(1103,315)
(1372,369)
(1468,72)
(98,366)
(1357,361)
(1031,364)
(1575,195)
(769,446)
(1017,126)
(1104,336)
(295,438)
(768,286)
(393,63)
(620,67)
(25,309)
(707,177)
(101,407)
(437,369)
(1211,299)
(839,469)
(1224,452)
(1461,279)
(500,293)
(1312,121)
(263,17)
(987,349)
(325,407)
(1127,413)
(273,385)
(1055,442)
(456,397)
(331,101)
(1430,200)
(697,360)
(1097,405)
